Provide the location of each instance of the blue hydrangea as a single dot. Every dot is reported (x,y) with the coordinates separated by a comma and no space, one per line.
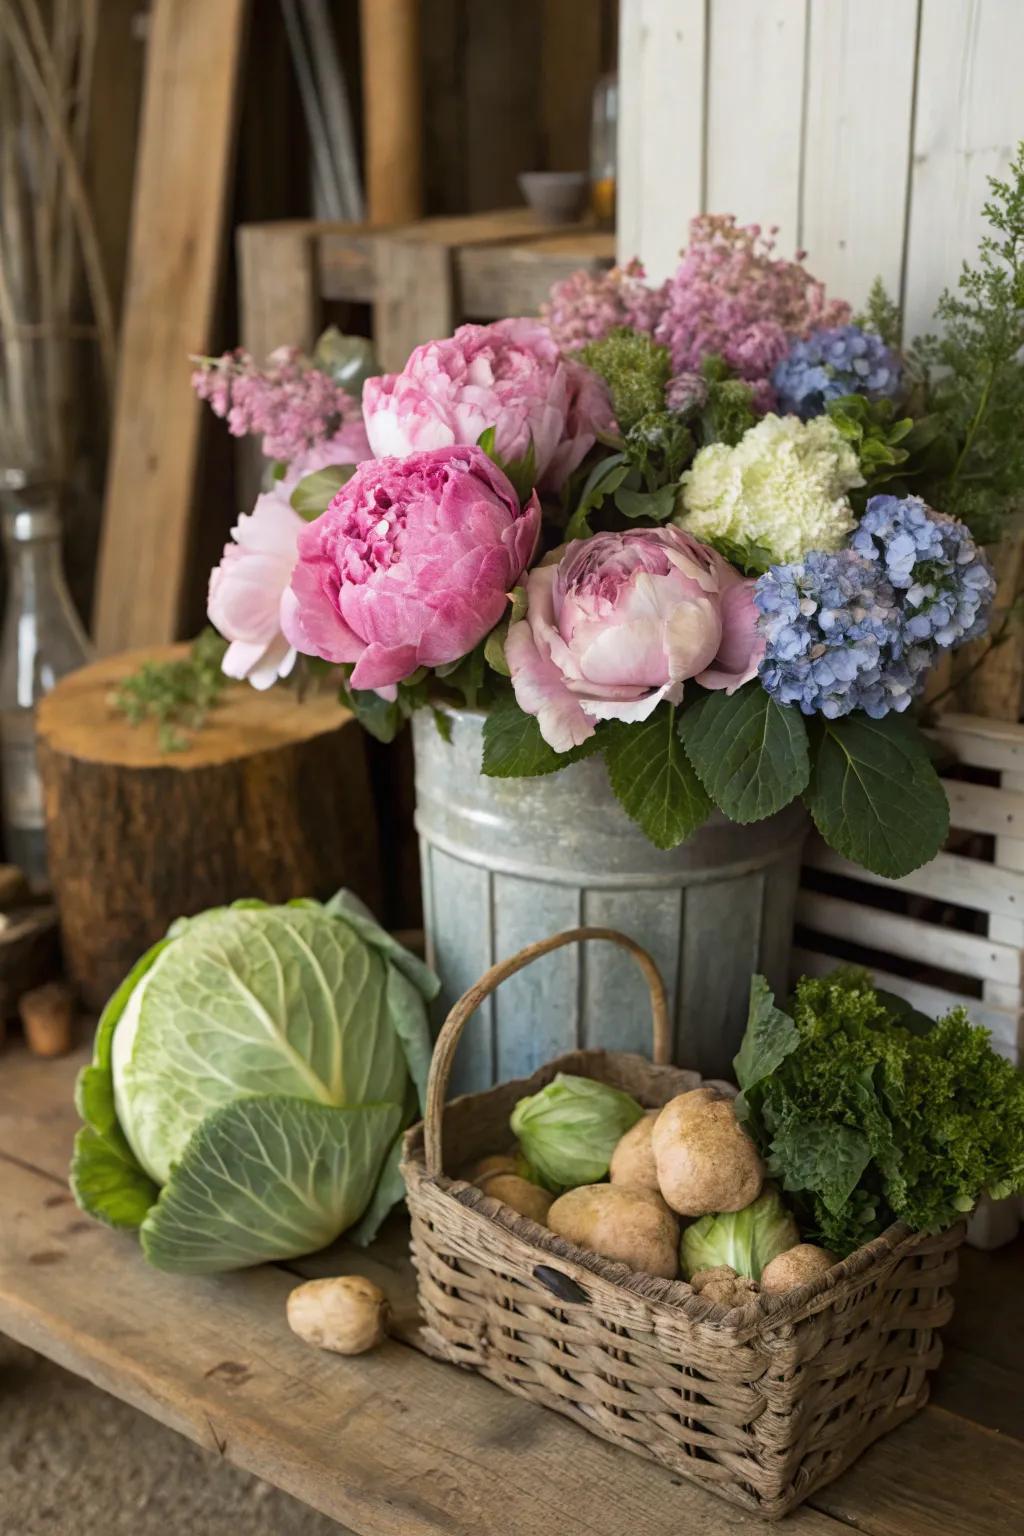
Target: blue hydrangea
(842,360)
(946,582)
(835,638)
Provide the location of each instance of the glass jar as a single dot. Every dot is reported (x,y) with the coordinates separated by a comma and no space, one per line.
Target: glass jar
(604,133)
(42,641)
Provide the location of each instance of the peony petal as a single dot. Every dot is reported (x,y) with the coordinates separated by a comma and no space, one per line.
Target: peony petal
(743,646)
(379,666)
(540,691)
(311,622)
(632,710)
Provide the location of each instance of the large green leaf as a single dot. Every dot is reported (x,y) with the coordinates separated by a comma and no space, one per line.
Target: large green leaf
(770,1037)
(106,1179)
(652,777)
(515,749)
(874,794)
(267,1178)
(749,752)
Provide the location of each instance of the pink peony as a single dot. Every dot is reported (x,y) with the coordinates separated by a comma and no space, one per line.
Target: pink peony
(620,623)
(247,587)
(509,376)
(410,565)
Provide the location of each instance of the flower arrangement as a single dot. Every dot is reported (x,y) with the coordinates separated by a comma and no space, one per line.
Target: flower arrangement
(718,532)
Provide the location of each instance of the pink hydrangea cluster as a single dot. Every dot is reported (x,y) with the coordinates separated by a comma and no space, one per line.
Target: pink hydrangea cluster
(587,305)
(293,406)
(730,295)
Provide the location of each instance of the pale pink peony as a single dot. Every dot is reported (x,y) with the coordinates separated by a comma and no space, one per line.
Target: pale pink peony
(247,587)
(620,623)
(410,565)
(509,376)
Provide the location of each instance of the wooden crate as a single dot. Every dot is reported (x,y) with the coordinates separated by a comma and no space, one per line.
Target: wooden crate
(953,931)
(421,279)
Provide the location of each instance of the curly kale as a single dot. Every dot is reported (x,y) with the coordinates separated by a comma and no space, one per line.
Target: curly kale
(972,372)
(868,1113)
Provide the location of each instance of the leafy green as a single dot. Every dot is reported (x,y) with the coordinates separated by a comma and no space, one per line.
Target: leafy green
(867,1114)
(728,413)
(652,779)
(515,749)
(234,1197)
(881,315)
(635,368)
(972,375)
(570,1128)
(314,494)
(310,1011)
(178,695)
(746,1240)
(874,794)
(603,481)
(876,434)
(749,752)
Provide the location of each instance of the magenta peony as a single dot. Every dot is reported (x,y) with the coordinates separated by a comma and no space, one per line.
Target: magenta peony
(620,623)
(247,587)
(410,565)
(509,376)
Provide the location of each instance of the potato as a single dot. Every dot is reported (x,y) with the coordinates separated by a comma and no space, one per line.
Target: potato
(634,1226)
(526,1198)
(633,1159)
(724,1285)
(706,1162)
(796,1267)
(487,1167)
(347,1314)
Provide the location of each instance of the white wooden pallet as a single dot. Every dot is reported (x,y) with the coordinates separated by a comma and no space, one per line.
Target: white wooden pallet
(989,881)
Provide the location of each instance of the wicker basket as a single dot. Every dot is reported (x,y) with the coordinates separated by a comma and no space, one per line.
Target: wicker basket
(761,1403)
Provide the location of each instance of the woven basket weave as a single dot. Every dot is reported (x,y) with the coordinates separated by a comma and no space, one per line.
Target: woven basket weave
(761,1403)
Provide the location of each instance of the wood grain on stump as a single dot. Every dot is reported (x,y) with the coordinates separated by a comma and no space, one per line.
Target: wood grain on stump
(270,799)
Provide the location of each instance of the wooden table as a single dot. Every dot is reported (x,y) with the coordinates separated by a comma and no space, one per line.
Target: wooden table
(395,1444)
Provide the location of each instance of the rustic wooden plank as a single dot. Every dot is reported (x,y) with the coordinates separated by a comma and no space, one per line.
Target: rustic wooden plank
(1004,1024)
(345,263)
(852,219)
(966,125)
(982,743)
(968,954)
(755,99)
(570,62)
(983,808)
(185,158)
(948,877)
(980,1390)
(662,48)
(392,109)
(391,1444)
(277,285)
(494,281)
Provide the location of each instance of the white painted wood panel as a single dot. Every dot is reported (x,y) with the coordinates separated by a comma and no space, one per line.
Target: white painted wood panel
(661,133)
(865,128)
(755,75)
(857,125)
(970,114)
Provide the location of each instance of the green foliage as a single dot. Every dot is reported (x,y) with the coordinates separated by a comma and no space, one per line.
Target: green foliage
(746,1240)
(635,368)
(751,559)
(515,749)
(728,413)
(314,494)
(865,1117)
(749,752)
(972,375)
(881,315)
(874,795)
(877,436)
(177,695)
(570,1128)
(494,645)
(603,481)
(249,1080)
(652,779)
(522,472)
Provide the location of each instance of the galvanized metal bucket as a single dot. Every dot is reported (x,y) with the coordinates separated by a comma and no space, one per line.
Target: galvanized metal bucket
(508,861)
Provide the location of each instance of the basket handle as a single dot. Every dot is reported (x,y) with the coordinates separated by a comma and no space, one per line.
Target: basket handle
(469,1002)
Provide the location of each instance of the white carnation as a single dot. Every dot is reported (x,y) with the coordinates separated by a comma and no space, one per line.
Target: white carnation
(783,486)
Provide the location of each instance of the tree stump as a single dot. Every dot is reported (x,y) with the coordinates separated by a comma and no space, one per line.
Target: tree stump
(270,799)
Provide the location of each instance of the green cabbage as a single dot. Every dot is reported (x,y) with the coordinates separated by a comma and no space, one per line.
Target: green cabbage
(249,1083)
(569,1130)
(746,1240)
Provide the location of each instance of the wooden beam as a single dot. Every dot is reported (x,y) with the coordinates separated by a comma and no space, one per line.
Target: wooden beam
(392,109)
(184,167)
